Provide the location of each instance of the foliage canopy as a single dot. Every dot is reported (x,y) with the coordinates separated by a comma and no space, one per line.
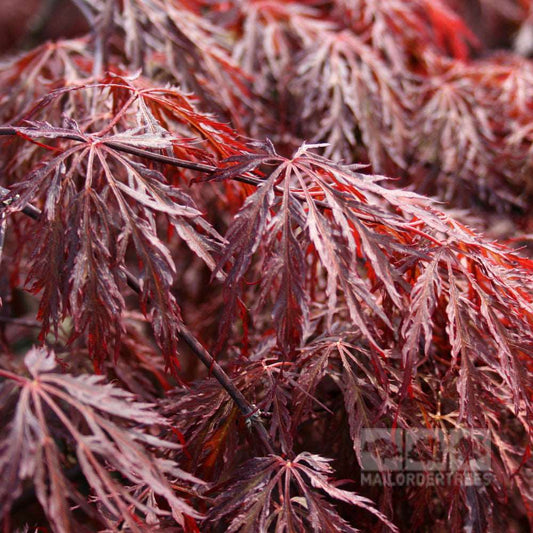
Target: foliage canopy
(235,235)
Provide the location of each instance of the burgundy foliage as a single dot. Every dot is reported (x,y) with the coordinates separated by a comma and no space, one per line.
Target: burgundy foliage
(234,235)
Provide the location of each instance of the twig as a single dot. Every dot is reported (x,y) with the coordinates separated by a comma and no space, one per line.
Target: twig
(247,409)
(146,154)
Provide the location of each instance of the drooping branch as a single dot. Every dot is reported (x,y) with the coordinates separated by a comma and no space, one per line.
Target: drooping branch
(172,161)
(249,411)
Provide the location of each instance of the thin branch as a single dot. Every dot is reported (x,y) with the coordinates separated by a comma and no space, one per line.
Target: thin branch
(28,209)
(146,154)
(247,409)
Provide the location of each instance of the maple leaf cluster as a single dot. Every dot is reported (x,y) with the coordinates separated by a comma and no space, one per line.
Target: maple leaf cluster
(236,236)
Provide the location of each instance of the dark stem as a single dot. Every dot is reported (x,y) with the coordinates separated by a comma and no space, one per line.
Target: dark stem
(145,154)
(28,209)
(247,409)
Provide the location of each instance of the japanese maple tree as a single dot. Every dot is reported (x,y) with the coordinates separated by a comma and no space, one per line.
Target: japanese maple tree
(236,236)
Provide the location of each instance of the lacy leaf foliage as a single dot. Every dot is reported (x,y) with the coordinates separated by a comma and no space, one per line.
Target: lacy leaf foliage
(140,229)
(108,431)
